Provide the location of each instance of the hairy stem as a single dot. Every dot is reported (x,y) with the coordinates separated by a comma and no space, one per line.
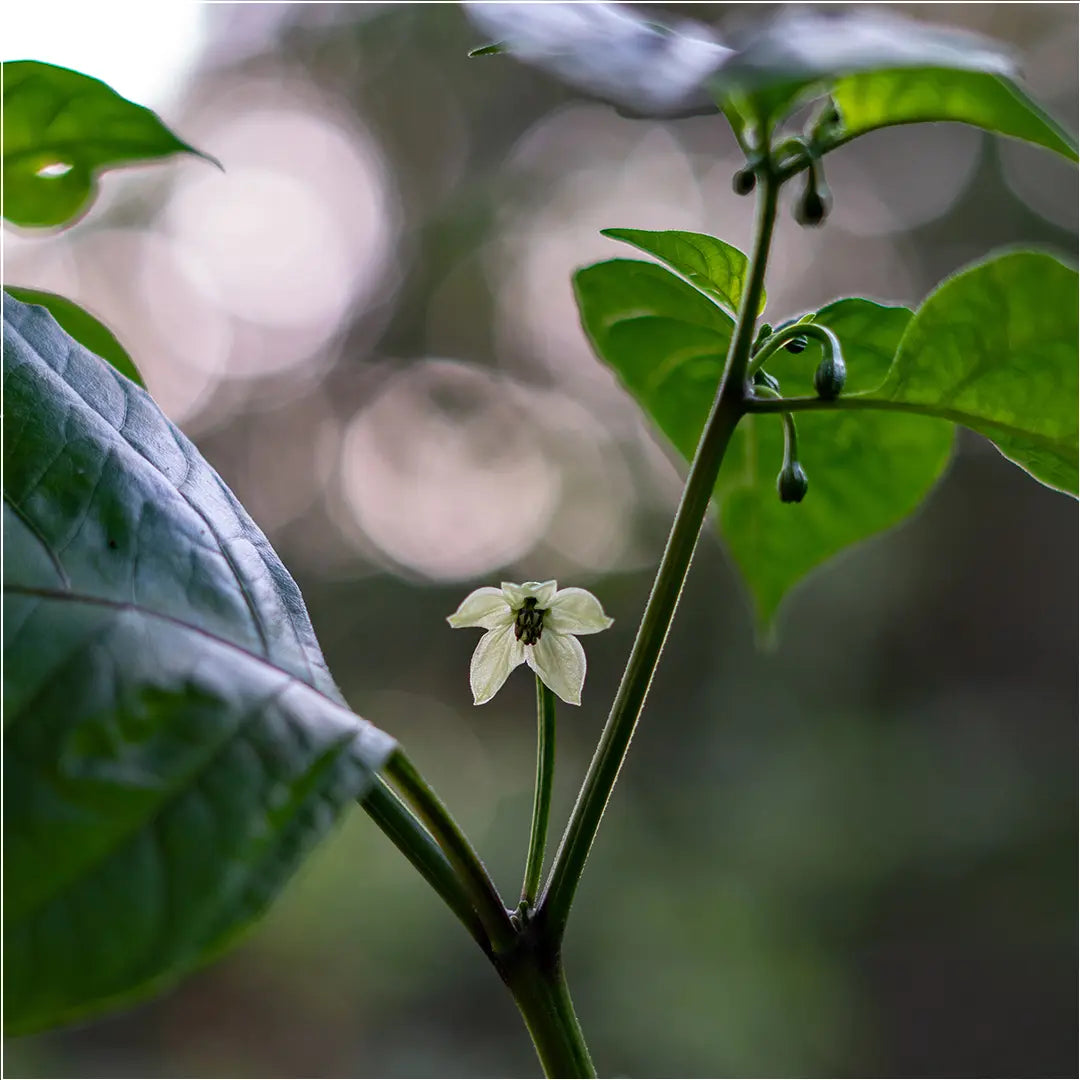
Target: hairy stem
(727,409)
(545,774)
(474,878)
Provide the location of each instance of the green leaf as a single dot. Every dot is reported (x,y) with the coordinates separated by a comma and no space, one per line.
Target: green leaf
(494,49)
(62,128)
(173,741)
(995,349)
(83,327)
(867,470)
(716,268)
(665,340)
(983,99)
(667,343)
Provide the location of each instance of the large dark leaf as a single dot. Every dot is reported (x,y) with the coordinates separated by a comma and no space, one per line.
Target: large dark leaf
(173,741)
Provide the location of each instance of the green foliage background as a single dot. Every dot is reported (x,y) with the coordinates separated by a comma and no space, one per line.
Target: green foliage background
(853,855)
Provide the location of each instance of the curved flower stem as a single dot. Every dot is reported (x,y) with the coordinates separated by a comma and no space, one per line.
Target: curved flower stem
(474,878)
(830,343)
(545,773)
(728,408)
(416,844)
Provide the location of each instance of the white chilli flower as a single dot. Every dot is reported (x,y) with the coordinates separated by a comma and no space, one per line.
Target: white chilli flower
(532,624)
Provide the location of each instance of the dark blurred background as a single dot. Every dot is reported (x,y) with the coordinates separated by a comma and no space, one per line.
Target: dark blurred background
(855,855)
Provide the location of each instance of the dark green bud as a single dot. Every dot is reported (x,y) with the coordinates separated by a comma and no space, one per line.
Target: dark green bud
(830,377)
(796,344)
(792,483)
(813,207)
(763,378)
(744,181)
(763,334)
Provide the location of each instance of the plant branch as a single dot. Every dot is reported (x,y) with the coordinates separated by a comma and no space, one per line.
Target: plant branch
(545,773)
(410,837)
(474,878)
(728,407)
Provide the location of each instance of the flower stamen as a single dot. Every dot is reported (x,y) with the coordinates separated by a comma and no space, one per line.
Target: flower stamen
(529,622)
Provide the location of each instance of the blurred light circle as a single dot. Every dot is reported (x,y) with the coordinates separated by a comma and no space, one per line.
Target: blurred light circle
(901,177)
(1044,181)
(443,472)
(297,230)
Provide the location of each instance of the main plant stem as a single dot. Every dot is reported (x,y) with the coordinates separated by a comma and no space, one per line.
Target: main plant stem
(728,408)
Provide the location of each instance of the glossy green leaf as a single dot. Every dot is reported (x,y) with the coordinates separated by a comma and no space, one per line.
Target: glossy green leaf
(667,343)
(995,349)
(867,470)
(62,128)
(173,741)
(716,268)
(83,327)
(983,99)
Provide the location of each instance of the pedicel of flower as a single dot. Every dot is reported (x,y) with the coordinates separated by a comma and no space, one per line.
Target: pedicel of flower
(535,623)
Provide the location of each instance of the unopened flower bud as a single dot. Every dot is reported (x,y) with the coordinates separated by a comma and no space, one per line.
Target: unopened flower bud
(792,483)
(744,181)
(830,377)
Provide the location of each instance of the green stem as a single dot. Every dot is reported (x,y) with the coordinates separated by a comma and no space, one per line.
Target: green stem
(728,408)
(416,844)
(830,344)
(545,773)
(543,998)
(474,878)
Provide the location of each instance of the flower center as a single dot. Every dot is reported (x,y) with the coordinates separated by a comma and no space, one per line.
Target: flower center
(529,624)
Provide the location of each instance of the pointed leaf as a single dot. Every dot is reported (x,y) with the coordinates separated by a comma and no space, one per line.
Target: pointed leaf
(986,100)
(61,128)
(716,268)
(173,741)
(995,348)
(83,327)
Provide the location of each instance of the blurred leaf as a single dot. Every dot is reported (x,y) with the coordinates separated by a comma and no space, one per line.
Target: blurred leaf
(667,343)
(494,49)
(980,98)
(61,128)
(83,327)
(607,50)
(710,265)
(799,52)
(867,470)
(173,741)
(995,349)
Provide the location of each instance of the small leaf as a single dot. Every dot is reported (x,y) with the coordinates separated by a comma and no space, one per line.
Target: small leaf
(83,327)
(173,741)
(867,470)
(716,268)
(61,128)
(496,48)
(982,99)
(995,349)
(667,342)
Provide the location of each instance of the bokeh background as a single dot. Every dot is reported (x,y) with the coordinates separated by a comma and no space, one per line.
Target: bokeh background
(854,855)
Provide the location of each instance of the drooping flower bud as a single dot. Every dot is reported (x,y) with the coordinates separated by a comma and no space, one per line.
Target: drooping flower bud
(792,483)
(744,181)
(830,377)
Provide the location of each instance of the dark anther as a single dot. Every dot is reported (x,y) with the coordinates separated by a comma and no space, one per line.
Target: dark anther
(529,624)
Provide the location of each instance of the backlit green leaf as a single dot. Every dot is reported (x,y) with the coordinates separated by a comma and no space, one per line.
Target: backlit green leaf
(881,98)
(62,128)
(173,741)
(83,327)
(710,265)
(995,349)
(867,470)
(667,343)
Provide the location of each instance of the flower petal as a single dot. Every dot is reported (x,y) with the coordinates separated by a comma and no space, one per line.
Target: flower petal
(497,654)
(543,591)
(559,660)
(485,607)
(576,611)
